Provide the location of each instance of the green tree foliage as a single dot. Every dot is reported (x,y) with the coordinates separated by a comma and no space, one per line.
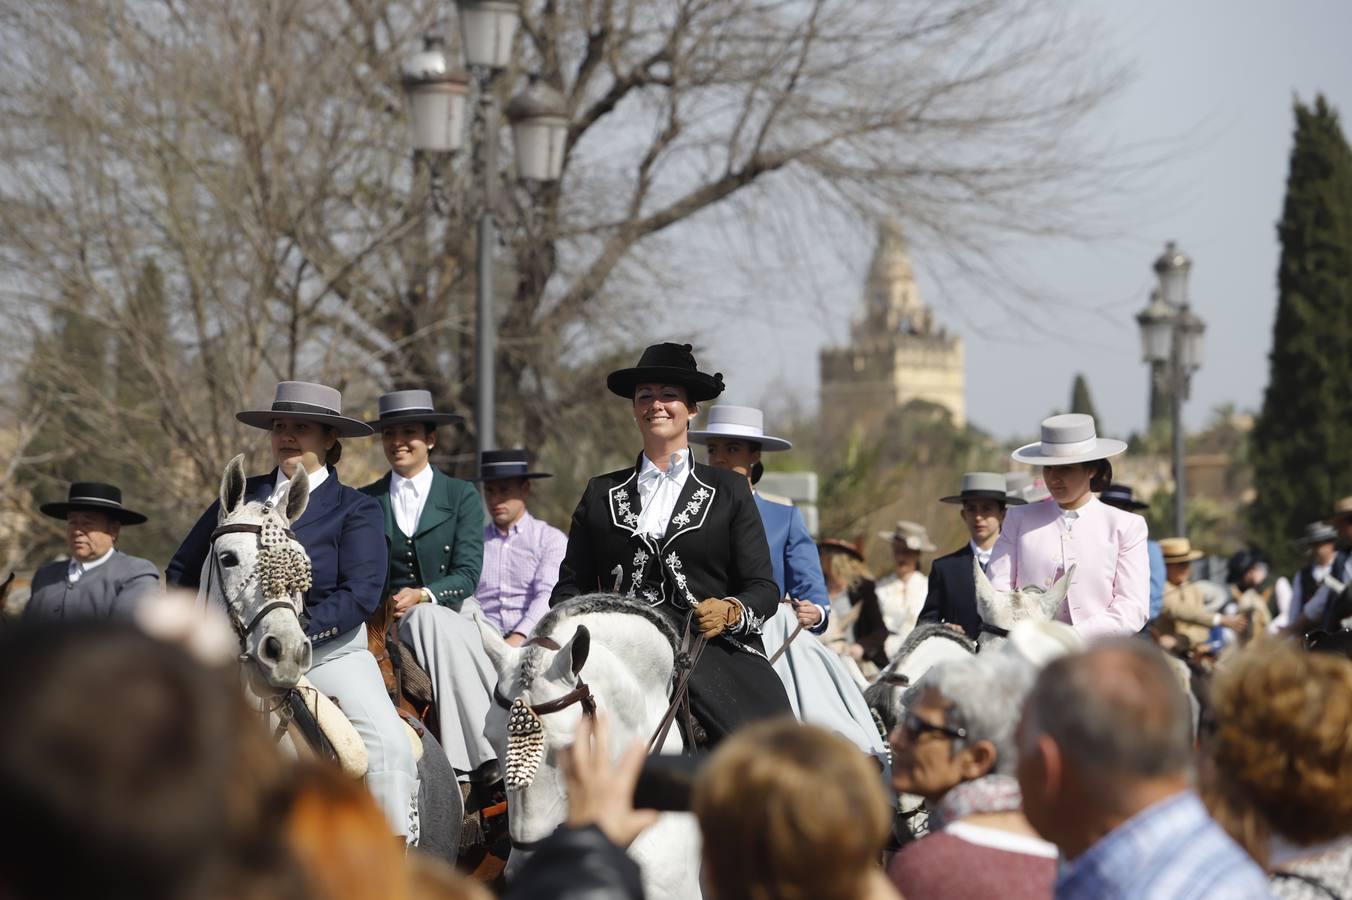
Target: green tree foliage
(1302,441)
(1080,401)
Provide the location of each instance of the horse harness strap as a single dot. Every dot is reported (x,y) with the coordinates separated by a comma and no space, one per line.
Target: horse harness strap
(580,694)
(998,631)
(784,646)
(245,528)
(680,696)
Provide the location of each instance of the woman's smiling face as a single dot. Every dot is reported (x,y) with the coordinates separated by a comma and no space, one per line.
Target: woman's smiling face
(662,410)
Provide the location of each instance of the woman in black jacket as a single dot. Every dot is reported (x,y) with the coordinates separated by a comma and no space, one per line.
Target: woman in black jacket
(687,540)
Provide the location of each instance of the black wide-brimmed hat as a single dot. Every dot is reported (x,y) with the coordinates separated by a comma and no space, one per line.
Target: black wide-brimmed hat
(1121,496)
(497,465)
(93,496)
(308,401)
(667,364)
(409,406)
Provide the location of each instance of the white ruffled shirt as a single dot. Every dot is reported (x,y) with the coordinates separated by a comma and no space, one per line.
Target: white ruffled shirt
(658,491)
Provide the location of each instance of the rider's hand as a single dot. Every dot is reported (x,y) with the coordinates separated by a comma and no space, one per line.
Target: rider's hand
(515,639)
(809,614)
(715,615)
(1237,624)
(601,793)
(407,598)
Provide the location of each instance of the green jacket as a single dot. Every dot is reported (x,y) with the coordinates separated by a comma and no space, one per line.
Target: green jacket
(450,539)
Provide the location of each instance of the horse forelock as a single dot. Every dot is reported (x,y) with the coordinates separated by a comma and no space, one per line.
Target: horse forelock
(534,659)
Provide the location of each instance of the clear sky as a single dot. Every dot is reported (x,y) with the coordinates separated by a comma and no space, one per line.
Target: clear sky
(1212,95)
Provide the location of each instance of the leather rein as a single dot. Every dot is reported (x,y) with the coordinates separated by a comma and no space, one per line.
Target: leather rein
(241,629)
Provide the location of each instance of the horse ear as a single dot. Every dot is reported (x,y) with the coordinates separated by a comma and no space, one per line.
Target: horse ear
(578,648)
(500,653)
(232,485)
(985,592)
(1052,600)
(297,495)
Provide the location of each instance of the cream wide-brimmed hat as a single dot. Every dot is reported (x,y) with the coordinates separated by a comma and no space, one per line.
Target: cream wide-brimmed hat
(1067,439)
(912,535)
(1179,550)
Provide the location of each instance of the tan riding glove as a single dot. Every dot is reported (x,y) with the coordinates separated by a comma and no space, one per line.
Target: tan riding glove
(715,615)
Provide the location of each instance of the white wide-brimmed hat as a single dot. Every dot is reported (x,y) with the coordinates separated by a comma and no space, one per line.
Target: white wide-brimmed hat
(911,535)
(746,422)
(1067,439)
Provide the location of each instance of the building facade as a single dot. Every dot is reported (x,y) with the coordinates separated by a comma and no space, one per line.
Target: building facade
(896,353)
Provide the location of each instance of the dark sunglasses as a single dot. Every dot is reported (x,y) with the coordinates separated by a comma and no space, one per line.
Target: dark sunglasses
(914,726)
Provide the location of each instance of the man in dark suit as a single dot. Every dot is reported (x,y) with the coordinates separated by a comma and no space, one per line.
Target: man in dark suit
(952,584)
(98,580)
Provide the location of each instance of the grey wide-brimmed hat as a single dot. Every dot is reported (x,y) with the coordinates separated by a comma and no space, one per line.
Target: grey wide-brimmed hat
(409,406)
(1067,439)
(1318,533)
(746,422)
(984,486)
(308,401)
(93,496)
(912,534)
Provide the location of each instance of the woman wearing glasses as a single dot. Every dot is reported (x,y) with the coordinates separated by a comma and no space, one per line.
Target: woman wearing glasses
(955,747)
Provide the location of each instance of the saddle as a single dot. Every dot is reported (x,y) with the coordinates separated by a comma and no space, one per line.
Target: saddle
(406,681)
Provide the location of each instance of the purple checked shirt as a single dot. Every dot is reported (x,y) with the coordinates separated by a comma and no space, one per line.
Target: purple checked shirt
(520,568)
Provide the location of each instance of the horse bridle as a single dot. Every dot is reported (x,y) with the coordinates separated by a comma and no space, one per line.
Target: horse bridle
(580,694)
(244,630)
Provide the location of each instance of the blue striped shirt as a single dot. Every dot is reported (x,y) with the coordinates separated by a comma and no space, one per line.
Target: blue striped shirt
(1170,851)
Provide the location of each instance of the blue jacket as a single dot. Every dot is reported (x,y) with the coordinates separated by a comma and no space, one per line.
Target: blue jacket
(342,530)
(793,556)
(1156,577)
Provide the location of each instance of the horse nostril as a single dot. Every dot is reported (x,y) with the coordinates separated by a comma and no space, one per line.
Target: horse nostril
(271,649)
(303,656)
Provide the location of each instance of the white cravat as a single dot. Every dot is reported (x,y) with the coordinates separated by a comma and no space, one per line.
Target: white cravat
(76,569)
(408,496)
(317,477)
(1069,516)
(982,556)
(658,491)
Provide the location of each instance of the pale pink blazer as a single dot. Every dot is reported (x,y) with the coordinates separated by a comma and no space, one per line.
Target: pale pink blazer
(1110,591)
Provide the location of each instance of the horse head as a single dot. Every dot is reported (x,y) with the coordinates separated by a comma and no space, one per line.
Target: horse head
(593,652)
(258,571)
(926,645)
(1005,610)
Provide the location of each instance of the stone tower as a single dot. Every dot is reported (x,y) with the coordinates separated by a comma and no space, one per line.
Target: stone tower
(895,354)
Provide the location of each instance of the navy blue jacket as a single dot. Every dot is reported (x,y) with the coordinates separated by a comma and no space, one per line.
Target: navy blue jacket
(952,592)
(793,556)
(342,529)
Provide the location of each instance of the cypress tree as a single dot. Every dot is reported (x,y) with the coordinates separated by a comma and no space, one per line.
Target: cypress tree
(1080,401)
(1302,440)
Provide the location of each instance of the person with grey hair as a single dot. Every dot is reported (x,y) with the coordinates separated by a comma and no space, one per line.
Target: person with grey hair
(955,747)
(1105,756)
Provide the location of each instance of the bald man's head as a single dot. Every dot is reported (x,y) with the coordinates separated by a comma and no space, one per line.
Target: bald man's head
(1115,711)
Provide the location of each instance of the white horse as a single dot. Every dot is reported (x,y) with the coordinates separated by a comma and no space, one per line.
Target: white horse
(257,571)
(1001,611)
(597,651)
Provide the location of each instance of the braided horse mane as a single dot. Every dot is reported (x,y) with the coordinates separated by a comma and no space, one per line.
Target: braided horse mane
(533,656)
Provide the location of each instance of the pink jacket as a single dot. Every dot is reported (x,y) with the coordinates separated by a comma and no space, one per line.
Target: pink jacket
(1110,592)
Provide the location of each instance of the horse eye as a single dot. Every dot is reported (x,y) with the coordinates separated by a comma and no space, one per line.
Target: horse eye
(229,559)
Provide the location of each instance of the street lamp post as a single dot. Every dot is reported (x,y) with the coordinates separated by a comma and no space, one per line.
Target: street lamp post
(1171,337)
(437,100)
